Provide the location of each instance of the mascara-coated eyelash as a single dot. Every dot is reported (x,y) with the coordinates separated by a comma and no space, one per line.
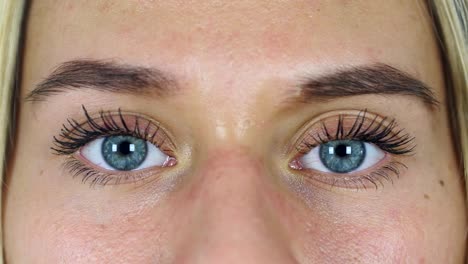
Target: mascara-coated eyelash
(74,135)
(327,149)
(114,132)
(383,132)
(95,177)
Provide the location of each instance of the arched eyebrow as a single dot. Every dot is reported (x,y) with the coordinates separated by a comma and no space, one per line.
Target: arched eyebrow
(103,75)
(379,79)
(110,76)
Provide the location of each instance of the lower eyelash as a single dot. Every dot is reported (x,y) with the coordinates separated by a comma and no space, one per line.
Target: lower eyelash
(74,135)
(387,172)
(94,177)
(373,179)
(76,168)
(383,132)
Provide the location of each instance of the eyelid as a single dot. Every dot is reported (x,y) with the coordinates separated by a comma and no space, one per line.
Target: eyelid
(385,133)
(354,125)
(387,170)
(312,124)
(77,166)
(74,134)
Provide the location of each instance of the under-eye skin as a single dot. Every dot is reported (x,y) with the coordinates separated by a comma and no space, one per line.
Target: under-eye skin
(352,150)
(114,148)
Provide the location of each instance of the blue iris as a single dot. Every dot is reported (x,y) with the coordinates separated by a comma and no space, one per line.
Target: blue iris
(342,156)
(124,152)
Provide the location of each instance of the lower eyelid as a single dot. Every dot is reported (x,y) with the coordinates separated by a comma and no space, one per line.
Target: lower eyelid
(386,170)
(79,167)
(75,136)
(381,132)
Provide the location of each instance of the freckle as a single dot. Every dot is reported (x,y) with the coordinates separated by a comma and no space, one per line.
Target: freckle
(426,196)
(442,183)
(41,172)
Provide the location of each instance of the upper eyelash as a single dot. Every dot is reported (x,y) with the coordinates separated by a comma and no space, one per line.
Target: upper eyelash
(386,136)
(76,135)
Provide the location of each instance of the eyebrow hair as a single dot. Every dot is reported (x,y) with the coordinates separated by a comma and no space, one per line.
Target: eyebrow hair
(380,79)
(103,75)
(110,76)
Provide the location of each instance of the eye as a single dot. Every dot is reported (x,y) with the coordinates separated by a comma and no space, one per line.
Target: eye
(123,153)
(342,156)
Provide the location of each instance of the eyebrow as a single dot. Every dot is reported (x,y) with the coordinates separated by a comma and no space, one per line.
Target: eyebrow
(103,75)
(110,76)
(380,79)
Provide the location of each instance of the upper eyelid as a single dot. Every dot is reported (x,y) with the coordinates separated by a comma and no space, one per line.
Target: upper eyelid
(91,128)
(388,127)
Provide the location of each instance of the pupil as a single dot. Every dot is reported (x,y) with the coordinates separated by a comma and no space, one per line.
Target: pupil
(124,148)
(340,151)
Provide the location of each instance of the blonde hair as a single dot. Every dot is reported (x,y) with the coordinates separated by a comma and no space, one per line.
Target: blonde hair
(451,25)
(11,14)
(451,18)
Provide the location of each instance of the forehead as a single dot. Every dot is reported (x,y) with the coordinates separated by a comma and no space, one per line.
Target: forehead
(217,38)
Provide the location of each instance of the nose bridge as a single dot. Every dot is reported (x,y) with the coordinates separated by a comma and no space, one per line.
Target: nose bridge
(231,187)
(233,190)
(233,220)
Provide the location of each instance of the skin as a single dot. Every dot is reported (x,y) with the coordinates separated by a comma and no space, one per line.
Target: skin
(232,197)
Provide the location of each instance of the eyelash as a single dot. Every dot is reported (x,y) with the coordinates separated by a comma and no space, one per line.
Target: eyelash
(383,133)
(94,177)
(75,135)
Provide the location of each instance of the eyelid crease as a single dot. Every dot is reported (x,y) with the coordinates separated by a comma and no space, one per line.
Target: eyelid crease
(384,133)
(74,135)
(367,127)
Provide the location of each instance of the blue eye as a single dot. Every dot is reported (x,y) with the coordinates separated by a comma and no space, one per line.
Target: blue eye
(123,153)
(342,156)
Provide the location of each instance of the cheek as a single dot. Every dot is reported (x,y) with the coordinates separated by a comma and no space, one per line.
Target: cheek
(75,239)
(350,243)
(362,235)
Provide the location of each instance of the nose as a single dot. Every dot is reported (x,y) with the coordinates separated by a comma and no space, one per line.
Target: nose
(230,214)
